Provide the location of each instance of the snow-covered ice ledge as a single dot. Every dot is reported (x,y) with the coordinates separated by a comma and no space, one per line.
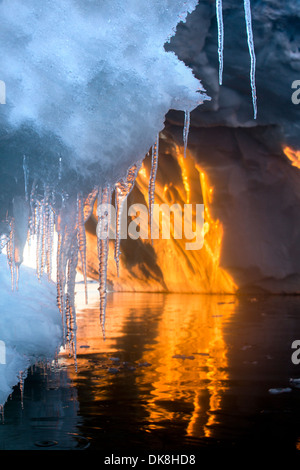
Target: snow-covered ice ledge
(30,325)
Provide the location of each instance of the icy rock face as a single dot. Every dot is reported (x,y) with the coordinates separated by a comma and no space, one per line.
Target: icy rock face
(75,71)
(255,196)
(165,265)
(257,199)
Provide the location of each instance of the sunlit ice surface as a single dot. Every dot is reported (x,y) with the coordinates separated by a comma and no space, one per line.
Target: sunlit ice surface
(30,254)
(293,155)
(175,372)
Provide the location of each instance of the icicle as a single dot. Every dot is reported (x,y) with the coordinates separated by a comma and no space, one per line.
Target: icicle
(47,236)
(122,191)
(21,384)
(247,8)
(11,253)
(32,210)
(151,191)
(40,244)
(50,240)
(104,201)
(220,37)
(89,204)
(82,240)
(67,258)
(70,297)
(61,276)
(25,170)
(50,223)
(186,129)
(59,168)
(60,282)
(17,276)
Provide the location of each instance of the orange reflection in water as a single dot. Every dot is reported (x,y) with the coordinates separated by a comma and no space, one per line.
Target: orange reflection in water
(175,343)
(190,360)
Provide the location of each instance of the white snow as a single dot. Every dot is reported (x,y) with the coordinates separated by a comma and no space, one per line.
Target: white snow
(30,324)
(83,69)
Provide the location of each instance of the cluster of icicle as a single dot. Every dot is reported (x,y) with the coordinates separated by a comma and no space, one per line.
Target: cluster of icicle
(69,223)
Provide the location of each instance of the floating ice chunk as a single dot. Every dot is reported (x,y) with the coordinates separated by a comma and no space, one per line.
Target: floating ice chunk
(295,383)
(277,391)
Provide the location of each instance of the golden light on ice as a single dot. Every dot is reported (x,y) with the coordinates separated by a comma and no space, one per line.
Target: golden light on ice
(293,156)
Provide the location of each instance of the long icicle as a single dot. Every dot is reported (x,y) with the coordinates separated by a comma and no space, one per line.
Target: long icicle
(60,283)
(70,296)
(219,12)
(122,191)
(11,253)
(186,129)
(25,170)
(89,204)
(248,19)
(50,240)
(104,215)
(151,190)
(61,264)
(82,240)
(32,203)
(47,230)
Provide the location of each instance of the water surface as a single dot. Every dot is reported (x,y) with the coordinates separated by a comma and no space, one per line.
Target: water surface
(174,373)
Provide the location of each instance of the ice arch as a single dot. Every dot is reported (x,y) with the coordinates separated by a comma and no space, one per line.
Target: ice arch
(88,84)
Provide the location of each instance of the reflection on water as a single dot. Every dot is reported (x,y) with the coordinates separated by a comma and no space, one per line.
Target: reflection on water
(174,372)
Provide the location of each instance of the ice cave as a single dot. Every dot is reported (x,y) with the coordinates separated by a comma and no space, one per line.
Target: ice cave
(149,215)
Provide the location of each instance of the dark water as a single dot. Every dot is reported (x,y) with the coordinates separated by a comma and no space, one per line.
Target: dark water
(176,373)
